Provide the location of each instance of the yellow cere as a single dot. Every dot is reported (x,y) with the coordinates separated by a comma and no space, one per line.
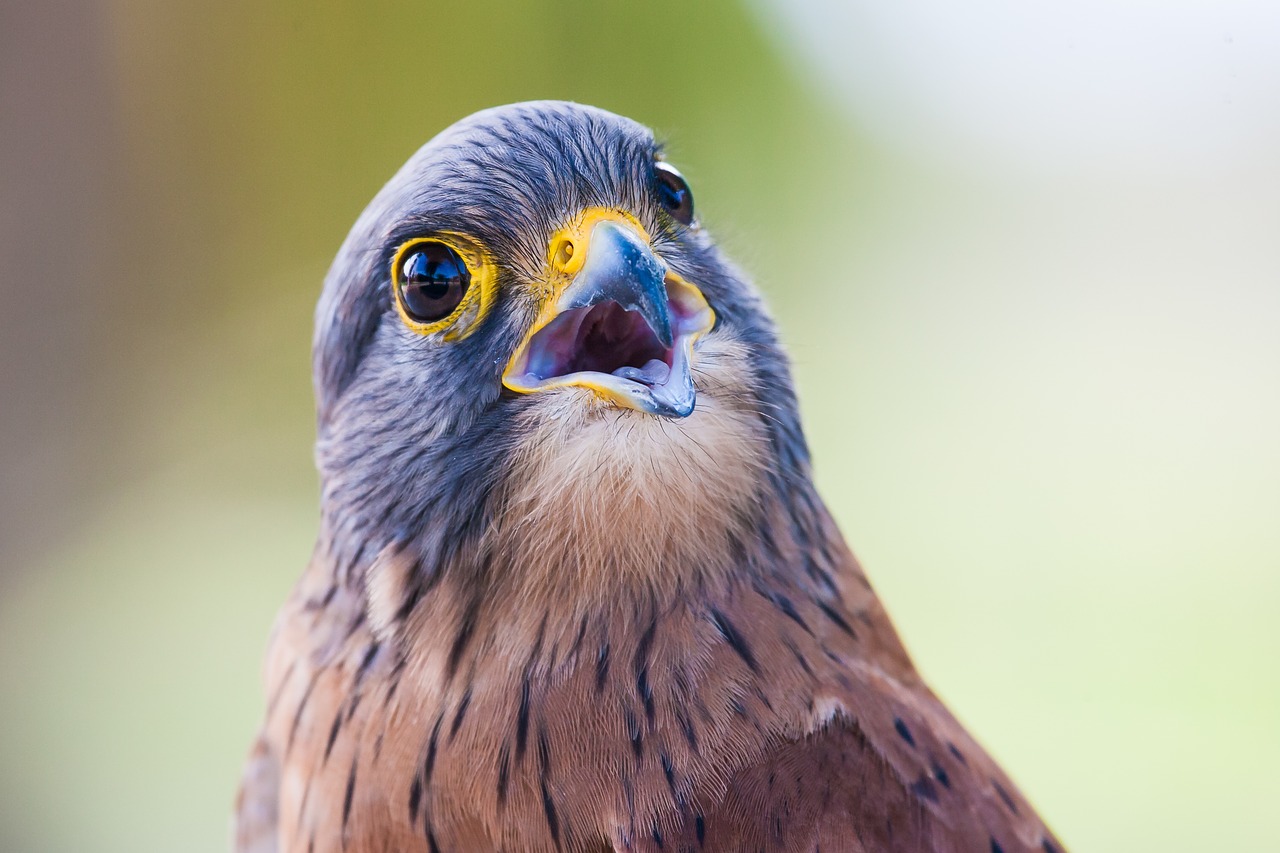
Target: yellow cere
(566,253)
(476,303)
(569,245)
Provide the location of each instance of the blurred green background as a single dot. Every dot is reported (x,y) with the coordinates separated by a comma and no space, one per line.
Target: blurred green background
(1027,262)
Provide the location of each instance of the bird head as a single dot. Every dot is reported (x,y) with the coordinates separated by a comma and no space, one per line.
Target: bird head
(528,344)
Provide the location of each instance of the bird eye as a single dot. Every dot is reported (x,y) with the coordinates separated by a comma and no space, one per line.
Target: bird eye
(674,193)
(431,281)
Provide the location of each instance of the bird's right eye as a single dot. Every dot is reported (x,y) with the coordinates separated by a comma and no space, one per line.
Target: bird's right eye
(674,192)
(431,281)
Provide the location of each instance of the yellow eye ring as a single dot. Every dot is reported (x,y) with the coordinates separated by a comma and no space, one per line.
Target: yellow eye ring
(425,276)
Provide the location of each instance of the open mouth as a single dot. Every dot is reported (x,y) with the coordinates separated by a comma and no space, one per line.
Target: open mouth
(616,352)
(605,338)
(624,325)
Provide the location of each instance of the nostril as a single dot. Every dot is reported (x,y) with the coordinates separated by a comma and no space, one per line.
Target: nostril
(565,256)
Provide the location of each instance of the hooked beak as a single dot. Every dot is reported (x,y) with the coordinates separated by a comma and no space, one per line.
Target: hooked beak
(621,324)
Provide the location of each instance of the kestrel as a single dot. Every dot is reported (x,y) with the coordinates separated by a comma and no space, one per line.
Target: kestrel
(574,589)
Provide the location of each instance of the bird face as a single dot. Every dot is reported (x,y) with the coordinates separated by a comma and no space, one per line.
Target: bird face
(534,281)
(614,318)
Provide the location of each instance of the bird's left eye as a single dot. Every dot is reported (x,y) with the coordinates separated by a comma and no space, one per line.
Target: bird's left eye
(431,281)
(674,192)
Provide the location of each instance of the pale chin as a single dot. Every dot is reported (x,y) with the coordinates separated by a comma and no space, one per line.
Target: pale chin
(586,466)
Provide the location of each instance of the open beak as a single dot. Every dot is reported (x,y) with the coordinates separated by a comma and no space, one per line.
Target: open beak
(621,323)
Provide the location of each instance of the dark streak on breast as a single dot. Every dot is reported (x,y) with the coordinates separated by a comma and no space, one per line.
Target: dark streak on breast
(602,668)
(522,720)
(430,763)
(504,768)
(686,725)
(941,775)
(582,632)
(646,639)
(835,617)
(633,729)
(548,805)
(415,799)
(646,693)
(549,809)
(544,751)
(323,601)
(1004,795)
(819,574)
(302,704)
(459,714)
(353,705)
(668,770)
(925,789)
(393,681)
(365,662)
(333,735)
(734,639)
(785,606)
(411,599)
(460,642)
(356,624)
(799,656)
(346,800)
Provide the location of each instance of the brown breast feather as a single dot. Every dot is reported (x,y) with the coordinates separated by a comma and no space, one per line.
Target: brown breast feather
(777,714)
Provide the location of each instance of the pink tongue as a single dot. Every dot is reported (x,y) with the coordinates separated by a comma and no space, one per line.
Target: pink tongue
(655,372)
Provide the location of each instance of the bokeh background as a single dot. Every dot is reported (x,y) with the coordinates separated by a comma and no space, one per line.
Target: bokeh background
(1026,257)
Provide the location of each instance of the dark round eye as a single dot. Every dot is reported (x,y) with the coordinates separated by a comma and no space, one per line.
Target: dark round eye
(432,280)
(674,193)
